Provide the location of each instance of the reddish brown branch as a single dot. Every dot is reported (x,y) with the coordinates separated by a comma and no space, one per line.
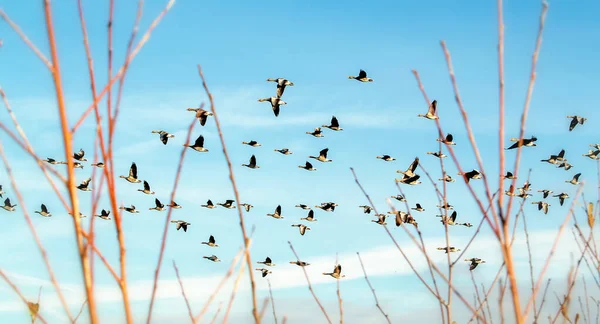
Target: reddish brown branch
(236,193)
(387,318)
(187,302)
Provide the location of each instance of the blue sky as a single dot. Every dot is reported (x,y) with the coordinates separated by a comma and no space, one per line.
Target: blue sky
(315,45)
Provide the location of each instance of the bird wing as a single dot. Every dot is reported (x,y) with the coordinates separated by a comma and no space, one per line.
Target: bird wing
(7,202)
(334,122)
(449,138)
(576,177)
(253,160)
(276,109)
(268,260)
(561,154)
(453,216)
(211,239)
(362,74)
(413,166)
(164,138)
(133,171)
(309,165)
(323,153)
(311,214)
(432,107)
(280,89)
(209,203)
(199,141)
(44,209)
(158,203)
(278,210)
(86,182)
(573,123)
(146,185)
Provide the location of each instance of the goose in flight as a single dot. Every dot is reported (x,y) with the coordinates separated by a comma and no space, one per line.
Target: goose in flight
(252,143)
(267,262)
(302,228)
(448,249)
(447,178)
(132,177)
(308,166)
(380,219)
(300,263)
(281,84)
(201,114)
(264,271)
(130,209)
(275,104)
(277,213)
(431,112)
(211,242)
(474,174)
(227,204)
(399,197)
(53,161)
(79,155)
(316,133)
(198,145)
(448,140)
(212,258)
(555,159)
(158,205)
(284,151)
(174,205)
(181,224)
(322,156)
(246,206)
(303,206)
(509,175)
(525,142)
(327,206)
(146,189)
(362,77)
(44,211)
(84,186)
(545,192)
(209,204)
(164,136)
(576,120)
(414,180)
(337,272)
(542,205)
(310,217)
(252,164)
(104,214)
(575,180)
(98,165)
(474,263)
(439,154)
(561,197)
(386,158)
(366,209)
(418,208)
(8,206)
(410,172)
(335,125)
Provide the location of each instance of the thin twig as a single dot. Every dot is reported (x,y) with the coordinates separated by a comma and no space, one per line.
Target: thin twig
(80,311)
(310,288)
(24,37)
(168,219)
(217,313)
(187,302)
(272,301)
(236,193)
(387,318)
(236,284)
(339,295)
(16,289)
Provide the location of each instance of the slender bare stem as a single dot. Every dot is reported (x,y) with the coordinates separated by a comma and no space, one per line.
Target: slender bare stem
(310,288)
(25,39)
(168,220)
(187,302)
(16,289)
(387,318)
(236,284)
(236,193)
(272,300)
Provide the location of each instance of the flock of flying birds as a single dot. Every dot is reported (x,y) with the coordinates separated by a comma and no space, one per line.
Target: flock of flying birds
(409,177)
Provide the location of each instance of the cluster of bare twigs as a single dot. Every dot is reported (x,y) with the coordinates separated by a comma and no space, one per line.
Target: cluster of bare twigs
(494,211)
